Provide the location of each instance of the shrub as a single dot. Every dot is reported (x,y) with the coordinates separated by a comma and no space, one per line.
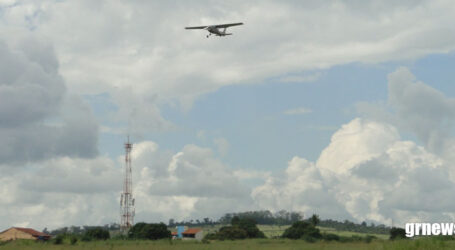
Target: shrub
(331,237)
(149,231)
(241,228)
(369,238)
(397,233)
(58,240)
(300,229)
(96,233)
(231,233)
(309,239)
(249,225)
(73,240)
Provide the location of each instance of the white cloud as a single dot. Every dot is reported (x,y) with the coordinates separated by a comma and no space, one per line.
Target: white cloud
(345,150)
(368,172)
(67,191)
(140,48)
(380,179)
(39,119)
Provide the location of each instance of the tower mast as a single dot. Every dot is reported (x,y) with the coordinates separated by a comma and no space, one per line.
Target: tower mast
(126,199)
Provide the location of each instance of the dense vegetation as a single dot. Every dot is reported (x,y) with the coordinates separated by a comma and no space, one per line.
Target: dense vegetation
(302,230)
(97,233)
(397,233)
(354,227)
(241,228)
(149,231)
(263,217)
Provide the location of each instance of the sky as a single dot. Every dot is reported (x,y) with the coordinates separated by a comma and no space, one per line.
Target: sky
(345,109)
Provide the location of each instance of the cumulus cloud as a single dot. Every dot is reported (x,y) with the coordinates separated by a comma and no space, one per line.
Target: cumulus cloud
(191,183)
(62,191)
(302,188)
(425,111)
(143,46)
(417,108)
(368,172)
(39,120)
(380,179)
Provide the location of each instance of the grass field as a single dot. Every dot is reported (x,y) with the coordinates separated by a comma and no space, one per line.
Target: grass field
(266,244)
(273,231)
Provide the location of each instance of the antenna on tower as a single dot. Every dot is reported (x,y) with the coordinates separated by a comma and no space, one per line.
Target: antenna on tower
(126,198)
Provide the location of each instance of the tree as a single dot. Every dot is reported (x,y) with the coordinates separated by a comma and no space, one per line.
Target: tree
(300,229)
(149,231)
(171,222)
(315,219)
(97,233)
(241,228)
(249,225)
(295,217)
(231,233)
(397,233)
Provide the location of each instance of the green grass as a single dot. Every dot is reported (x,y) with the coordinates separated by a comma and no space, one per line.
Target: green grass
(273,231)
(280,244)
(348,234)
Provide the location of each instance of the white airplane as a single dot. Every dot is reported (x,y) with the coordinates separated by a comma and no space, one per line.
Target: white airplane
(215,29)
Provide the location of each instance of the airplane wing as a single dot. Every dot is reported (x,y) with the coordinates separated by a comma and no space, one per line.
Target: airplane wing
(196,27)
(227,25)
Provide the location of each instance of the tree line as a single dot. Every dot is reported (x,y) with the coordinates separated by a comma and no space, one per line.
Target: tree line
(262,217)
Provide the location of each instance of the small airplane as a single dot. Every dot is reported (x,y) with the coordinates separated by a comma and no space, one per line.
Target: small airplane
(215,29)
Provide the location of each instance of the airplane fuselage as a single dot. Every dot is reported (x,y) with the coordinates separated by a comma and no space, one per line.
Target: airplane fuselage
(216,31)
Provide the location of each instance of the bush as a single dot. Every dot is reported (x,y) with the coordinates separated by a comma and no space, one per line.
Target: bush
(242,228)
(369,238)
(249,225)
(149,231)
(231,233)
(397,233)
(331,237)
(73,240)
(96,233)
(309,239)
(300,229)
(58,239)
(85,238)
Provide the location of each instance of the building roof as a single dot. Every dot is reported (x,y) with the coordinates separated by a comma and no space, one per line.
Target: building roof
(32,232)
(174,233)
(192,231)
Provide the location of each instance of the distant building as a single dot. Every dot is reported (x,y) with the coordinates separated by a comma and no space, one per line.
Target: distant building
(193,233)
(15,233)
(180,230)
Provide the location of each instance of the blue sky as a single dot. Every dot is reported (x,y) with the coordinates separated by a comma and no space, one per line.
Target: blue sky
(268,137)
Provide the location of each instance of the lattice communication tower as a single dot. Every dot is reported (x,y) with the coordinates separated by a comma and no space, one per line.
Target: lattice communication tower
(126,199)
